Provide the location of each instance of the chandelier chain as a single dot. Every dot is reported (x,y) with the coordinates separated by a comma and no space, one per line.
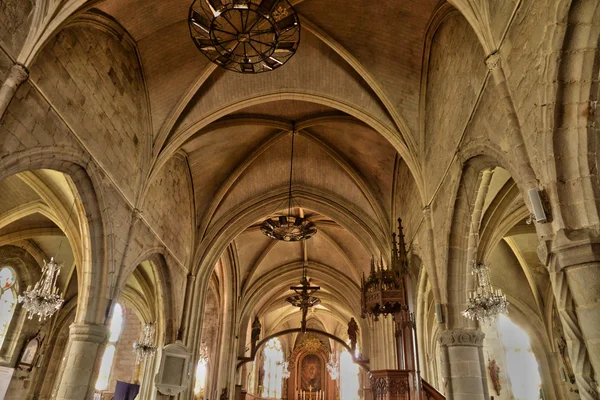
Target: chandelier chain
(291,169)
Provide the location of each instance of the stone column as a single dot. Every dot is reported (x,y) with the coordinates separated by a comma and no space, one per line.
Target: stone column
(16,76)
(463,364)
(575,276)
(81,362)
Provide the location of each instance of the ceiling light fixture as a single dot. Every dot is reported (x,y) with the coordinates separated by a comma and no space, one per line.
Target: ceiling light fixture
(145,348)
(289,228)
(485,302)
(44,299)
(304,299)
(246,36)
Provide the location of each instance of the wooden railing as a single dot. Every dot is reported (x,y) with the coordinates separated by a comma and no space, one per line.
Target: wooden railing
(429,392)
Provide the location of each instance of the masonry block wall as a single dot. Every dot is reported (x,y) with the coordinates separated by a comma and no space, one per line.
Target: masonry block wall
(449,109)
(94,80)
(15,20)
(168,208)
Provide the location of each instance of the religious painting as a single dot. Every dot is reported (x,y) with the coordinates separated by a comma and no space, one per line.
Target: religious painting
(311,370)
(29,353)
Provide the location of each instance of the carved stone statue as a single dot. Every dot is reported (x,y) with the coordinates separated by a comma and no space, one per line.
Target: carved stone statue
(352,334)
(256,327)
(495,375)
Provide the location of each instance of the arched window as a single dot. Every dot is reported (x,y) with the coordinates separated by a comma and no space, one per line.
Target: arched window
(116,327)
(200,376)
(348,377)
(521,365)
(8,299)
(105,367)
(273,368)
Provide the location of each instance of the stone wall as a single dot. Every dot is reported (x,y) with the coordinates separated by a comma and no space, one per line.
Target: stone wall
(15,20)
(94,81)
(454,78)
(168,208)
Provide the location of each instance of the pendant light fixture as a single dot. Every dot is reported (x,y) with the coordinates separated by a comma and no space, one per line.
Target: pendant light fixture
(246,36)
(289,228)
(44,299)
(485,301)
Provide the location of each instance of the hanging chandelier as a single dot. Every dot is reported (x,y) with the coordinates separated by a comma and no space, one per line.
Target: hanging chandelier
(289,228)
(304,299)
(485,302)
(333,367)
(44,299)
(145,347)
(246,36)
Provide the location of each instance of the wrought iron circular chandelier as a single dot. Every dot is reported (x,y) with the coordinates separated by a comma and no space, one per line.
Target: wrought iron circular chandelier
(289,228)
(246,36)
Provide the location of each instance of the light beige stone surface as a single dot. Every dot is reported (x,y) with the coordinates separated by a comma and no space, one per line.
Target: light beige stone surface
(152,169)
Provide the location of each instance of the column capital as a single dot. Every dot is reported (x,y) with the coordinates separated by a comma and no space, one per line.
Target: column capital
(493,61)
(17,74)
(93,333)
(575,248)
(462,337)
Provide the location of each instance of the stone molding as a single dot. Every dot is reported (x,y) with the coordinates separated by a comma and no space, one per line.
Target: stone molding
(93,333)
(578,249)
(493,61)
(462,337)
(17,74)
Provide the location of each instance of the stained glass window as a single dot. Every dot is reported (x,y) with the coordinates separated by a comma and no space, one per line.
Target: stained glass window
(116,327)
(273,367)
(348,377)
(8,299)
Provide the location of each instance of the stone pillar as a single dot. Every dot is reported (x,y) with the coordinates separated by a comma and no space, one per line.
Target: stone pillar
(16,76)
(81,361)
(463,364)
(575,276)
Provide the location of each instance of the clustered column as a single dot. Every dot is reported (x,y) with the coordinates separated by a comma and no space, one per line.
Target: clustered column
(575,277)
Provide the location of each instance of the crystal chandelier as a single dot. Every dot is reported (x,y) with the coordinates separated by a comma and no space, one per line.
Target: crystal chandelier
(44,299)
(333,367)
(247,36)
(145,347)
(289,228)
(303,299)
(485,302)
